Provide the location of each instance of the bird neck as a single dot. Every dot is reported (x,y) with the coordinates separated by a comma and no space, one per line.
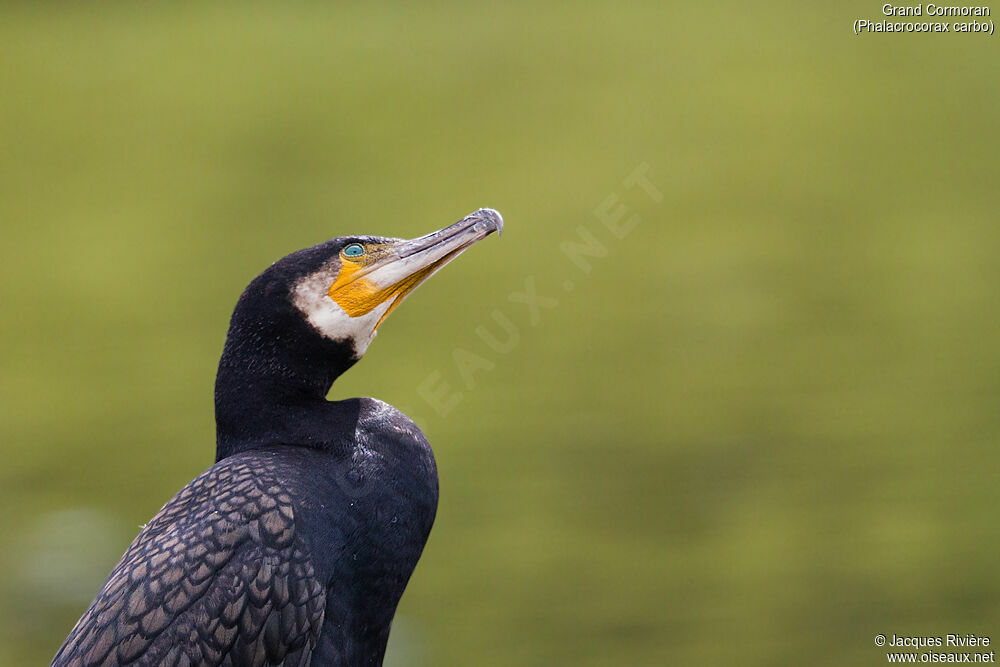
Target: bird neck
(272,383)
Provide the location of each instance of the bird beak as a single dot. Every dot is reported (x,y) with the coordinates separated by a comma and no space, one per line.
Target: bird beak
(403,265)
(453,239)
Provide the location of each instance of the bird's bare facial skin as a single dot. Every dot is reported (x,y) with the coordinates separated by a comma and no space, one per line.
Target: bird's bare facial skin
(373,275)
(355,294)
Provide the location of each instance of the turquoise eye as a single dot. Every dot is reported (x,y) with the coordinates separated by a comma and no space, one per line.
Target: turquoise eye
(354,250)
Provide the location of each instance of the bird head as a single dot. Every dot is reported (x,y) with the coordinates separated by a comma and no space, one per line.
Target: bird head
(310,316)
(360,280)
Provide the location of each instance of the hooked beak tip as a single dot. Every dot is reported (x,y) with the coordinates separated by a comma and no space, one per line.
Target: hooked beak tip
(487,220)
(491,217)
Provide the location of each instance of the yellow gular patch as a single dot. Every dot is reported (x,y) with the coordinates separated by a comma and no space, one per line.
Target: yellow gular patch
(359,296)
(356,296)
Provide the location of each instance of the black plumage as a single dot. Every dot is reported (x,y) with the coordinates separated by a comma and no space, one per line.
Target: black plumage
(295,547)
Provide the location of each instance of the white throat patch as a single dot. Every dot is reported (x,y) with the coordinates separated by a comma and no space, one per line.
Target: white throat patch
(311,296)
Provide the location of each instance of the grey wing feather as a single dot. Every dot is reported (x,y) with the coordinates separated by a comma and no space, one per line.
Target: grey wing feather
(218,577)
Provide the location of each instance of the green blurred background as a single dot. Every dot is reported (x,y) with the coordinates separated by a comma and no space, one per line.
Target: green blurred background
(760,430)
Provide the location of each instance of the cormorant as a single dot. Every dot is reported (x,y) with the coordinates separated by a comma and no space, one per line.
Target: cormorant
(295,546)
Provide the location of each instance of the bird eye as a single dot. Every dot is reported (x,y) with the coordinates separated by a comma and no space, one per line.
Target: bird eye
(354,250)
